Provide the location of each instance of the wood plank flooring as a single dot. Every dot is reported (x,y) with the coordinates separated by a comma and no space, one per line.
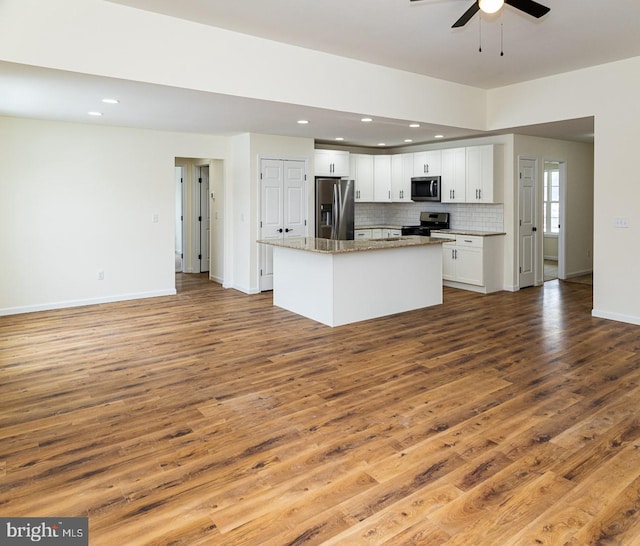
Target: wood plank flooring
(213,417)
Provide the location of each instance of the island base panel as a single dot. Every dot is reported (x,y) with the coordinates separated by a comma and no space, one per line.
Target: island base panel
(342,288)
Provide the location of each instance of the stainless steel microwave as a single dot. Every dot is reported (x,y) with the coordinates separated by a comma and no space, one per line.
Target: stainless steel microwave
(425,188)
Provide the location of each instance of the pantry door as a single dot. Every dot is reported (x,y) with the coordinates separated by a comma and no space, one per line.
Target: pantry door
(282,208)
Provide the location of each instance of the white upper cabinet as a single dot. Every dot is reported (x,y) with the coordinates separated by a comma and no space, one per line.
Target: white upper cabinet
(427,163)
(401,173)
(453,182)
(484,174)
(331,163)
(381,178)
(362,171)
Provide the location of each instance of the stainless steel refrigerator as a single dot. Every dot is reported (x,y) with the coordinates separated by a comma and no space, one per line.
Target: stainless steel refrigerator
(334,208)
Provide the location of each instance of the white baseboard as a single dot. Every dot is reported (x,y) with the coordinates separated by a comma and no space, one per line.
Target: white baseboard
(619,317)
(89,301)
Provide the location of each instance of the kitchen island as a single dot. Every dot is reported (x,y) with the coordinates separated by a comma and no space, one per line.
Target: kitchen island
(340,282)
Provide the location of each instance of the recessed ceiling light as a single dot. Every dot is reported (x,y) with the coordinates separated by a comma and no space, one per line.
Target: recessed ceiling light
(97,114)
(438,136)
(408,140)
(303,121)
(110,101)
(339,138)
(366,120)
(414,125)
(381,144)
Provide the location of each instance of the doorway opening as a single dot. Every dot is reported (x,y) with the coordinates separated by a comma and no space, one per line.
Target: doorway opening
(199,217)
(554,184)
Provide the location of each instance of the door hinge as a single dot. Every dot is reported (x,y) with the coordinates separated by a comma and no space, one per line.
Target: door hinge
(305,176)
(260,176)
(260,223)
(305,222)
(520,269)
(520,176)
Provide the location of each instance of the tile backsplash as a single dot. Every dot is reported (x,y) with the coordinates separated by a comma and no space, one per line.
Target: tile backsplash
(487,217)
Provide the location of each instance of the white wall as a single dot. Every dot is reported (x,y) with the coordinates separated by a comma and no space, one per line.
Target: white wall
(78,199)
(610,93)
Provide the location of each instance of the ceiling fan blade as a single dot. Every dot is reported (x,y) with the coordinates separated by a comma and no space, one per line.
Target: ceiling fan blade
(529,6)
(467,15)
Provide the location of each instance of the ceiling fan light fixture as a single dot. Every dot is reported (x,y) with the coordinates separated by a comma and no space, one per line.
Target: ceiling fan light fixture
(490,6)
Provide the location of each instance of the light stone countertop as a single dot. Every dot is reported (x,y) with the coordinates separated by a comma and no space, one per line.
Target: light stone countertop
(331,246)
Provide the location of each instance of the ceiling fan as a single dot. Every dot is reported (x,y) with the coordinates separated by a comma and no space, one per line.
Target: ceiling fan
(492,6)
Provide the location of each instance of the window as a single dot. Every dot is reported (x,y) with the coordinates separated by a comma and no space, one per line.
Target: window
(551,198)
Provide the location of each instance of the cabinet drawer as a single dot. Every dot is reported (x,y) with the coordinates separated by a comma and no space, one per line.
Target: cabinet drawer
(469,241)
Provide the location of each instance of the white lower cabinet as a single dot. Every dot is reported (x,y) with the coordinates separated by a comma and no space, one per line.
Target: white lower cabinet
(472,262)
(376,233)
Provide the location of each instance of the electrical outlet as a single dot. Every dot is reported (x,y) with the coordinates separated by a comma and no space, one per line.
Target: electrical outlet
(621,222)
(155,218)
(101,275)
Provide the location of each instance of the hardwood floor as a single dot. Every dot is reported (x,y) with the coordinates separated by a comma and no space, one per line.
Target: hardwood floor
(213,417)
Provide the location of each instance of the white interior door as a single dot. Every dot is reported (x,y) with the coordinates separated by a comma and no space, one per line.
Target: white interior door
(282,208)
(294,209)
(271,215)
(527,220)
(204,219)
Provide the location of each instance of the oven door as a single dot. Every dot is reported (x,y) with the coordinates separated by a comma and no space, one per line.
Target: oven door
(425,188)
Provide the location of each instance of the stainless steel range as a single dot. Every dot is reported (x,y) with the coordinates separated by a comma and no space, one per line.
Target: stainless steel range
(428,221)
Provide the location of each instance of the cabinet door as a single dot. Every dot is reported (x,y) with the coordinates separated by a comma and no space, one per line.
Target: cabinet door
(340,163)
(427,163)
(453,189)
(401,173)
(331,163)
(362,173)
(480,174)
(469,265)
(449,261)
(382,178)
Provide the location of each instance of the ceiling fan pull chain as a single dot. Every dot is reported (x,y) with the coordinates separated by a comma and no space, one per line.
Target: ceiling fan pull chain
(480,34)
(502,34)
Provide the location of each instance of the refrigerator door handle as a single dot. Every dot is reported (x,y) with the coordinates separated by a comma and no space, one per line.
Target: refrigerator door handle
(335,212)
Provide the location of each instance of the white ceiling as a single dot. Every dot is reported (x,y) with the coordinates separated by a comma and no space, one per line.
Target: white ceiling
(412,36)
